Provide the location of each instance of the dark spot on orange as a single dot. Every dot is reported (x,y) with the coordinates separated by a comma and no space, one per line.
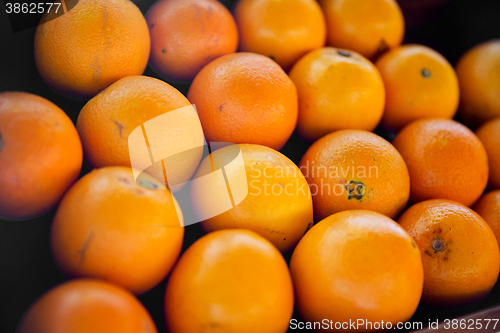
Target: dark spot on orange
(120,127)
(85,246)
(163,51)
(1,142)
(152,25)
(344,53)
(221,107)
(428,253)
(413,244)
(426,73)
(382,47)
(284,238)
(437,245)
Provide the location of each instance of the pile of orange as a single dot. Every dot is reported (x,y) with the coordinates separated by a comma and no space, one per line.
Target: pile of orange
(334,72)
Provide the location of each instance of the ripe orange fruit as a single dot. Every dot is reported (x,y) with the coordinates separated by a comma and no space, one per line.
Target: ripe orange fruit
(229,281)
(488,206)
(489,134)
(187,35)
(459,252)
(357,265)
(110,228)
(91,46)
(84,305)
(276,201)
(40,155)
(445,161)
(106,121)
(245,98)
(367,27)
(337,89)
(419,83)
(353,169)
(478,73)
(281,30)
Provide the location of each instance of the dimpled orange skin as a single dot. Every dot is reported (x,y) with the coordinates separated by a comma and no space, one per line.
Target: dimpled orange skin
(419,83)
(85,305)
(40,155)
(230,281)
(106,121)
(338,89)
(278,205)
(478,73)
(346,163)
(367,27)
(460,254)
(110,228)
(91,46)
(445,161)
(489,134)
(281,30)
(187,35)
(488,206)
(357,264)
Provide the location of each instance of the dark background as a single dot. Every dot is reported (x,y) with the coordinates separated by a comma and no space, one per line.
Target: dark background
(26,267)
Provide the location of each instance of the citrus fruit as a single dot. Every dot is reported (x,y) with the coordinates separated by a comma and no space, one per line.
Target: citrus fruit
(445,161)
(478,72)
(107,120)
(187,35)
(229,281)
(91,46)
(281,30)
(488,206)
(338,89)
(459,252)
(419,83)
(85,305)
(110,228)
(367,27)
(245,98)
(356,265)
(276,201)
(489,134)
(40,155)
(354,169)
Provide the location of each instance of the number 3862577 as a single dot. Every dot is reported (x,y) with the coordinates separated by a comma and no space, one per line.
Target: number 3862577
(32,8)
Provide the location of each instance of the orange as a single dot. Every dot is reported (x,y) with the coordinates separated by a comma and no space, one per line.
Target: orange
(338,89)
(488,206)
(40,155)
(459,252)
(367,27)
(478,73)
(445,161)
(245,98)
(84,305)
(419,83)
(91,46)
(276,201)
(281,30)
(107,120)
(489,134)
(229,281)
(187,35)
(108,227)
(356,265)
(353,169)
